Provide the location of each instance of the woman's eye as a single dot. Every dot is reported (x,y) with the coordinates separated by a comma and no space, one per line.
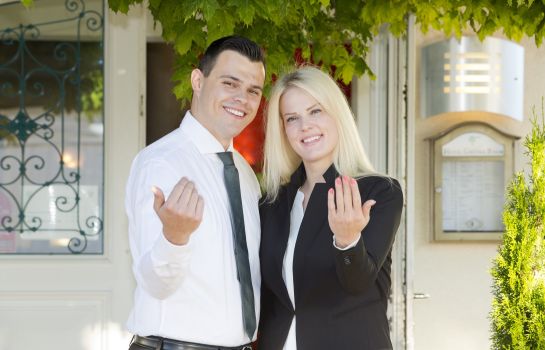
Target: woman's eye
(315,111)
(290,119)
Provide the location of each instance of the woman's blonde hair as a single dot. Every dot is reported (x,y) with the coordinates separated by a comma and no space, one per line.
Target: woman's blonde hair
(280,159)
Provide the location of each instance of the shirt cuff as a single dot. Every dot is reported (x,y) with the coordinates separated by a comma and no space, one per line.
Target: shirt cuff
(166,252)
(351,245)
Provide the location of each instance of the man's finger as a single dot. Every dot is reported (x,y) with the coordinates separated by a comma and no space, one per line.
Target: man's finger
(177,191)
(185,197)
(192,203)
(200,208)
(158,198)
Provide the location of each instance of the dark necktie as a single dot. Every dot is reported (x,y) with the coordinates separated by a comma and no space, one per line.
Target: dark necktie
(230,175)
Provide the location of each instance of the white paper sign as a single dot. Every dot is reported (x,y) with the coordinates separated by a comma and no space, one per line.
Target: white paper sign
(473,195)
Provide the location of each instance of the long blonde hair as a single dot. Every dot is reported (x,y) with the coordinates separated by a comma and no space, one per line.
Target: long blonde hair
(281,160)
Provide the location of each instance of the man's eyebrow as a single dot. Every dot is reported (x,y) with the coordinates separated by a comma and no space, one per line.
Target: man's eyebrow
(232,77)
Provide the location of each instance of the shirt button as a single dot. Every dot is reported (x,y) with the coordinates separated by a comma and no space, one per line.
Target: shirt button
(347,260)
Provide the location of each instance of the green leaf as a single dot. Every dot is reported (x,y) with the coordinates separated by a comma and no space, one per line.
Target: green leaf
(186,34)
(116,5)
(348,70)
(221,23)
(321,28)
(247,14)
(209,9)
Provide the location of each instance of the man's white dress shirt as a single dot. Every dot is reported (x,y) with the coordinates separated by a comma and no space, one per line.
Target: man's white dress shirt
(190,292)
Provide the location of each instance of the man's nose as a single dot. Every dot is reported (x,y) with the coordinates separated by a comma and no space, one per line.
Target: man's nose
(241,96)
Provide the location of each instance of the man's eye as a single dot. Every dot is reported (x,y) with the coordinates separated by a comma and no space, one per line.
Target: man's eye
(255,92)
(228,83)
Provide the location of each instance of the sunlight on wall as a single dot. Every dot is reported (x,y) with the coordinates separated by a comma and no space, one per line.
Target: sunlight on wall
(106,336)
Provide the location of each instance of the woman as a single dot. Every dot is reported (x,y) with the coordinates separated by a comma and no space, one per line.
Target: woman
(325,256)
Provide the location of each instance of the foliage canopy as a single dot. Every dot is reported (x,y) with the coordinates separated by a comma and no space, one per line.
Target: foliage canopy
(332,33)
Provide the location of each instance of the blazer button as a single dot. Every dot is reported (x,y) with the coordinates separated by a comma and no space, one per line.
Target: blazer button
(347,260)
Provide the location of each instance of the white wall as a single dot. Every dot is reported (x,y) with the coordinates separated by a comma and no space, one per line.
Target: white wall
(456,274)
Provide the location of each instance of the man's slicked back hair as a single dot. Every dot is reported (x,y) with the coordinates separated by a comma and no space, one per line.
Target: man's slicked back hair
(239,44)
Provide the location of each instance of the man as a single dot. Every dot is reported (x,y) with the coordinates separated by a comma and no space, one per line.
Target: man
(193,291)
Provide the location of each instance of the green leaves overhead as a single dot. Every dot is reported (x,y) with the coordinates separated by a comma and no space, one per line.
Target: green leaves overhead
(117,5)
(333,33)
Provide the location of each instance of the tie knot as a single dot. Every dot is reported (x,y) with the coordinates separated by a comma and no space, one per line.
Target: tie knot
(226,158)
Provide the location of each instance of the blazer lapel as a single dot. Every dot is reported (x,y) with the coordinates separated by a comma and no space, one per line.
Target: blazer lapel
(284,209)
(313,223)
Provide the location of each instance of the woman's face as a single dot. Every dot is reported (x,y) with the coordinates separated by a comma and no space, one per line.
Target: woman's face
(310,130)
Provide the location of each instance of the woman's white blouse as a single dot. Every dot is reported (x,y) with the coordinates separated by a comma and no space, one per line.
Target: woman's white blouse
(296,217)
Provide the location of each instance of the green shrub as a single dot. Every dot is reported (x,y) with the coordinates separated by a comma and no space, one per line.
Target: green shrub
(518,306)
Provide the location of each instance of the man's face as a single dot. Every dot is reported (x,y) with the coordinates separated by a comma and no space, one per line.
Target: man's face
(227,100)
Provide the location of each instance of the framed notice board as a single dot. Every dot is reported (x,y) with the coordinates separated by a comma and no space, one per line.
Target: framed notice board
(472,165)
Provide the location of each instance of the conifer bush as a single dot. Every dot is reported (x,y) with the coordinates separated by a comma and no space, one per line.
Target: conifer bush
(518,306)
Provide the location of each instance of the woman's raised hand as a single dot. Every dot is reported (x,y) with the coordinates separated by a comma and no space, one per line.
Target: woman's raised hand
(346,215)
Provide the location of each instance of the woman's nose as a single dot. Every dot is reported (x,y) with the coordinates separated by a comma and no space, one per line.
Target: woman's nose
(305,123)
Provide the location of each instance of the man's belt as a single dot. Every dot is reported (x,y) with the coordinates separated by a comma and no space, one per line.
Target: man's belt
(159,343)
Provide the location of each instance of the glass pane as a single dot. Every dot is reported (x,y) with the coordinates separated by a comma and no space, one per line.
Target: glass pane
(473,196)
(51,128)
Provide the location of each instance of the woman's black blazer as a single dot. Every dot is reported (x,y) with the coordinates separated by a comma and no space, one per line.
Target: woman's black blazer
(340,296)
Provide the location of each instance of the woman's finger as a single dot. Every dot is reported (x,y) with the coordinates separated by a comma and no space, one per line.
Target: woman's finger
(331,202)
(366,208)
(356,197)
(347,194)
(339,196)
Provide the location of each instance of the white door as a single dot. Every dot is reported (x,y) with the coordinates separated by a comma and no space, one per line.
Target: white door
(76,301)
(380,108)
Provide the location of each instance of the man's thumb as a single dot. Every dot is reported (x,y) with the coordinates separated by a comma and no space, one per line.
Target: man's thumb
(158,198)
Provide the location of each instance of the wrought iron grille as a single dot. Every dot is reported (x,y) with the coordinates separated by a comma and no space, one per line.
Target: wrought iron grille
(51,95)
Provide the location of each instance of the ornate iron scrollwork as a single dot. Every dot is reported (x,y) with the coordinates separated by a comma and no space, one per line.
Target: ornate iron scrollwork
(38,162)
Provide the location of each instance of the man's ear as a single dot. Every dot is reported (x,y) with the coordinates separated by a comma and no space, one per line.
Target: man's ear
(196,81)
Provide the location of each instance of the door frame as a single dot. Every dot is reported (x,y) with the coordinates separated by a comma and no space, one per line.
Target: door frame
(383,108)
(98,287)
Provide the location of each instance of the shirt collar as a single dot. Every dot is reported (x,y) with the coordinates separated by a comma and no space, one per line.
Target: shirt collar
(299,176)
(200,136)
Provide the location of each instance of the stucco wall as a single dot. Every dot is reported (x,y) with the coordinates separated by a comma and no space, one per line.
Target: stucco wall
(456,274)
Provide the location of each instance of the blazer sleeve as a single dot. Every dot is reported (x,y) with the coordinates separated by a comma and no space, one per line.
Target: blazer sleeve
(358,267)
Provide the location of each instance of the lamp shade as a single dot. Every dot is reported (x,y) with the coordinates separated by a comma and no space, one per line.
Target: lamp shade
(470,75)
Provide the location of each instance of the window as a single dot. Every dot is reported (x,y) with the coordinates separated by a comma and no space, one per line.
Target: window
(51,128)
